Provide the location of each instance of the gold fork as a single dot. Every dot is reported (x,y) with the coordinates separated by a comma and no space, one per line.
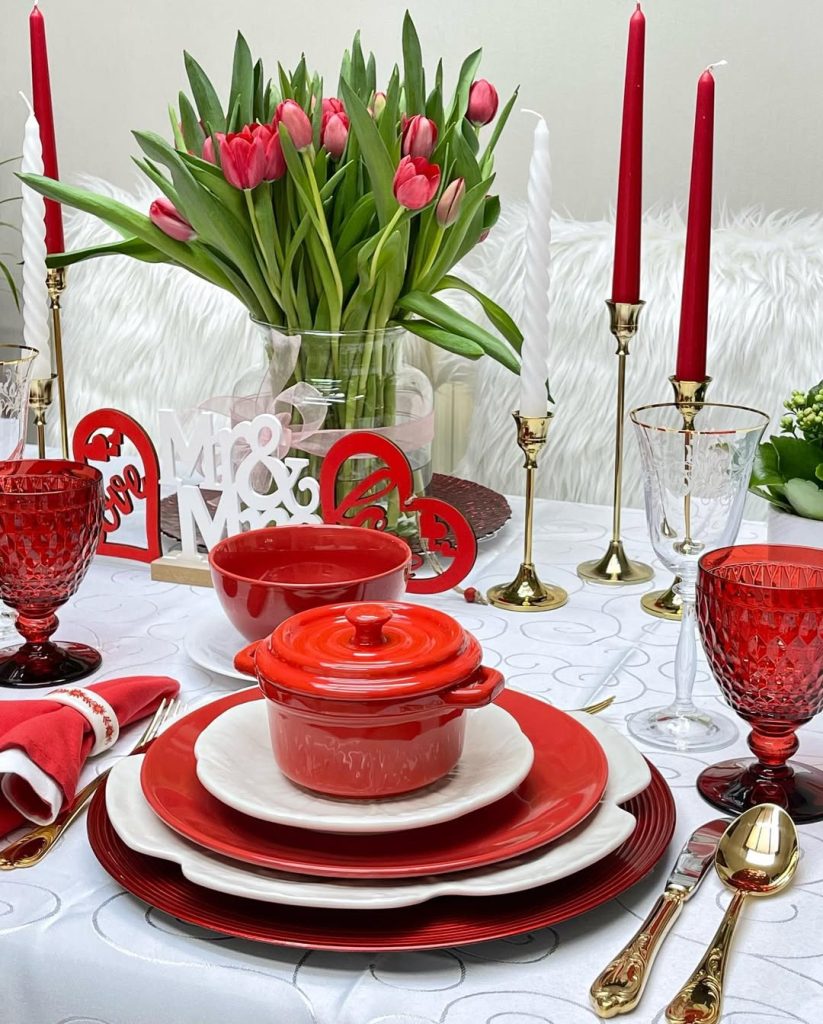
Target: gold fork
(34,845)
(601,705)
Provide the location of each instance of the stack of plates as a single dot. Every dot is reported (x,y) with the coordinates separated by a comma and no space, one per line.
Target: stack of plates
(546,815)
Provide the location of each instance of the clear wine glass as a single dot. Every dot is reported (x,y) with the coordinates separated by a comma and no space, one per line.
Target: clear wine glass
(696,467)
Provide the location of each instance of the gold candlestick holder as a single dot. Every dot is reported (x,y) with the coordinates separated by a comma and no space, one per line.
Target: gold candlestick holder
(688,394)
(56,284)
(41,395)
(615,568)
(526,592)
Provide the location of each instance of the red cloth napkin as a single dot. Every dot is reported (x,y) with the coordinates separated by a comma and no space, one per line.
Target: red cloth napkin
(44,745)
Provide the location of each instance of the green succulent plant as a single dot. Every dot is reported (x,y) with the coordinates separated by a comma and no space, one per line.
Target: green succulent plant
(788,469)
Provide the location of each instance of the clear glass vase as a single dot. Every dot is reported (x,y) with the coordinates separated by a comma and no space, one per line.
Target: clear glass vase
(361,381)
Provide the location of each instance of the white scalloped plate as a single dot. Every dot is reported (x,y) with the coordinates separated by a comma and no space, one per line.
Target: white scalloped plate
(212,643)
(236,765)
(598,836)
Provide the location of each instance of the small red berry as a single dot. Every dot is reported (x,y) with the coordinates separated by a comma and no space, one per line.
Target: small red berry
(470,594)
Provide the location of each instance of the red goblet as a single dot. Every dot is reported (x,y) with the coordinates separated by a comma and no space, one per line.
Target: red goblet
(760,611)
(51,512)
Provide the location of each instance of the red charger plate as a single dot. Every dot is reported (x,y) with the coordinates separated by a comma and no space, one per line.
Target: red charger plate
(448,921)
(550,802)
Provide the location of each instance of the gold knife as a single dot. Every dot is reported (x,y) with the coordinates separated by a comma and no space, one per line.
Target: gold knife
(619,988)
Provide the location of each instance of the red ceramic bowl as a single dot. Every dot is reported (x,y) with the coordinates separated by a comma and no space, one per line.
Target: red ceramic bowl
(264,576)
(367,700)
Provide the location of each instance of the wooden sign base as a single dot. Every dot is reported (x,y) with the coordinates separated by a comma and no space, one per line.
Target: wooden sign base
(179,568)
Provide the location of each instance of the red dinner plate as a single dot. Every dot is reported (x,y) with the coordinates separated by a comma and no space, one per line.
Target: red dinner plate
(565,784)
(449,921)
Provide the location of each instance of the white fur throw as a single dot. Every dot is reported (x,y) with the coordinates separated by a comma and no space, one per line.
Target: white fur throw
(142,337)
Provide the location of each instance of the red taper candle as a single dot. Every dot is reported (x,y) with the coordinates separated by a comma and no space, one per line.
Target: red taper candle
(41,100)
(694,308)
(626,280)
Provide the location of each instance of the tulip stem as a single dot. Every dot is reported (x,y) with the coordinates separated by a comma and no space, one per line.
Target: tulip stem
(267,263)
(325,238)
(434,248)
(382,241)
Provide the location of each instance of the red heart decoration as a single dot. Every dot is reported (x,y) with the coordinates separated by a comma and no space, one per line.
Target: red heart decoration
(437,519)
(99,437)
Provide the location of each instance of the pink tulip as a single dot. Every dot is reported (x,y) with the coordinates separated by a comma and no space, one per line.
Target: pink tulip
(163,214)
(419,136)
(334,133)
(208,147)
(448,206)
(275,163)
(332,105)
(243,158)
(378,104)
(297,123)
(416,182)
(483,102)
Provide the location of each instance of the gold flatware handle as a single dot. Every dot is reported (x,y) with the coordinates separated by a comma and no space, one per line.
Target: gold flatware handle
(619,987)
(601,705)
(698,1002)
(31,848)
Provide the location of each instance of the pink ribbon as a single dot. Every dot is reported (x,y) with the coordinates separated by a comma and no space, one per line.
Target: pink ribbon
(269,396)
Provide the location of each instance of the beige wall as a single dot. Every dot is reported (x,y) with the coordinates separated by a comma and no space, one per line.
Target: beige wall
(115,65)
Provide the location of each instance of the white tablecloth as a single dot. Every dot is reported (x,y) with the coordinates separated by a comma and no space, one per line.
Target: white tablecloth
(76,948)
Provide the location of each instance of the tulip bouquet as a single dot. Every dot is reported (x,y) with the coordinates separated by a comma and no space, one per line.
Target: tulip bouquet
(324,213)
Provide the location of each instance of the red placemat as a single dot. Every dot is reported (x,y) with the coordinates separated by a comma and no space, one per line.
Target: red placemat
(485,510)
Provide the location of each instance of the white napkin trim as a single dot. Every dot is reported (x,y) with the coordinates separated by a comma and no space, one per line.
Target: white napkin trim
(96,711)
(15,762)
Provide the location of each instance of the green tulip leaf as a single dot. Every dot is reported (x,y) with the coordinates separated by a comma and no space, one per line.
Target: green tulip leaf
(205,97)
(193,134)
(498,316)
(414,82)
(241,93)
(806,498)
(12,284)
(486,162)
(442,315)
(819,472)
(468,73)
(376,156)
(444,339)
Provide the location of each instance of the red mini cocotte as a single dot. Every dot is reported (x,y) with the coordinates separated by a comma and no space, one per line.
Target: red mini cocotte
(367,700)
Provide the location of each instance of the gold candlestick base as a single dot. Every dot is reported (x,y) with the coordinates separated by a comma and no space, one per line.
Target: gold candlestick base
(526,592)
(689,394)
(663,604)
(41,395)
(615,568)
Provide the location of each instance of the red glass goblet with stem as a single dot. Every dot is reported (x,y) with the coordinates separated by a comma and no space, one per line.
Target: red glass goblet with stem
(51,513)
(760,611)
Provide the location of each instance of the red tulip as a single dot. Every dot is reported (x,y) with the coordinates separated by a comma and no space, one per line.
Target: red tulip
(243,158)
(419,136)
(275,163)
(163,214)
(208,147)
(334,133)
(416,182)
(448,206)
(483,102)
(332,105)
(297,123)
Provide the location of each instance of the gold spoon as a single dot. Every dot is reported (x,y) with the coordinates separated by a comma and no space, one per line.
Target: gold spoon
(757,856)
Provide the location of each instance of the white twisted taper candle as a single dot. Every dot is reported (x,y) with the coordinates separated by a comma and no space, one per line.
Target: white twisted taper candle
(35,294)
(534,368)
